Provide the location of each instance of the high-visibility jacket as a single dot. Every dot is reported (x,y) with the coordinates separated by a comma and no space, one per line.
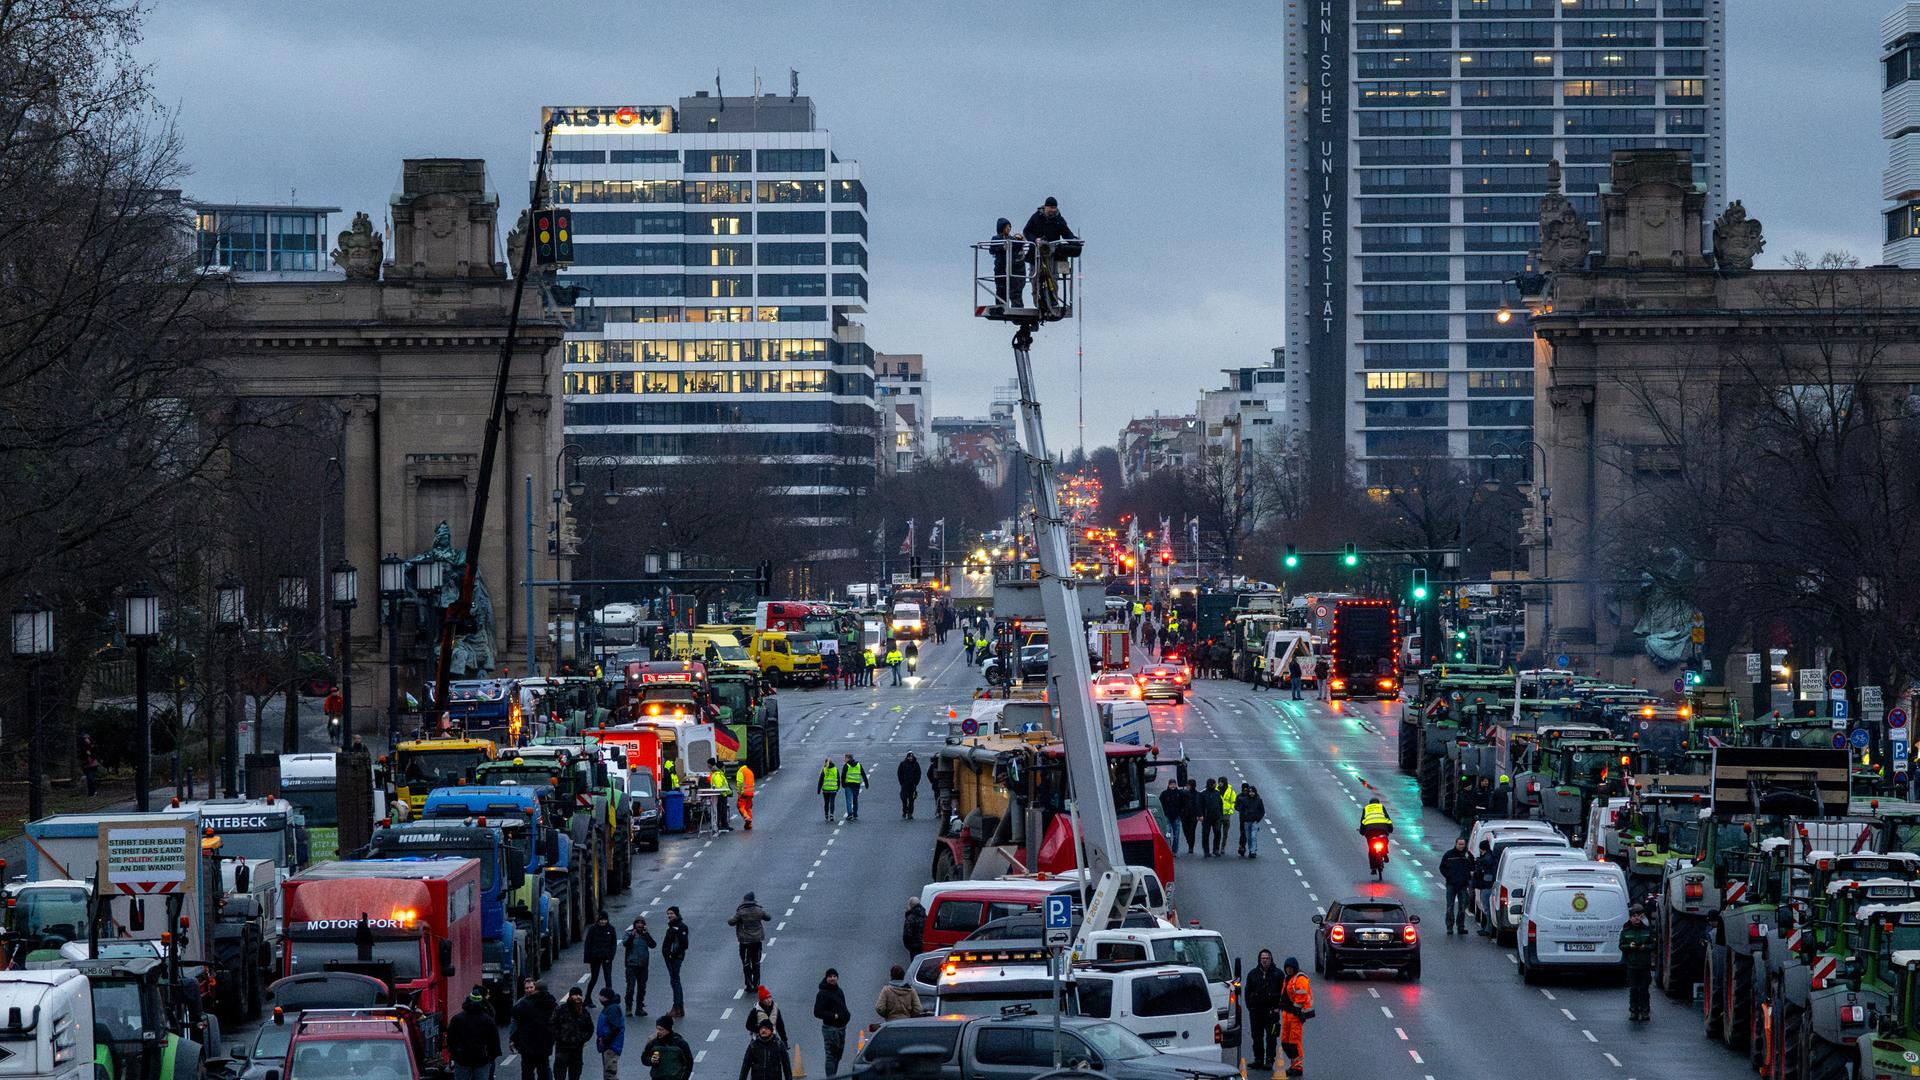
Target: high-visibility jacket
(893,657)
(1227,798)
(853,775)
(668,778)
(717,779)
(1299,995)
(829,779)
(1374,814)
(745,776)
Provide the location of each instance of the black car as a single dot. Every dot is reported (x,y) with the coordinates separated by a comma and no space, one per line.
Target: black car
(1365,932)
(644,797)
(1033,665)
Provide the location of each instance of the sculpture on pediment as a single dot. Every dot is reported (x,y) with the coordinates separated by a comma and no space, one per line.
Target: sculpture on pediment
(515,237)
(359,250)
(1565,239)
(1736,238)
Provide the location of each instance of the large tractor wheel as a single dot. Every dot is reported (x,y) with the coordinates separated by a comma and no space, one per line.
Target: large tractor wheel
(1681,957)
(1820,1059)
(1409,746)
(1713,1002)
(1736,1017)
(1429,778)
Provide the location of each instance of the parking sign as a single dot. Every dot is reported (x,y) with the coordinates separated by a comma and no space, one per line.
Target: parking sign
(1059,919)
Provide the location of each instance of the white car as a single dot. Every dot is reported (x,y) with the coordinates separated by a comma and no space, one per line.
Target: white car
(1510,881)
(1168,1005)
(1496,827)
(1571,921)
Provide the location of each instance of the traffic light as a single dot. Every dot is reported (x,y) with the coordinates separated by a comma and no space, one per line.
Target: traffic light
(543,238)
(1166,558)
(1419,584)
(913,567)
(1350,555)
(1459,644)
(1291,560)
(563,237)
(763,579)
(1693,678)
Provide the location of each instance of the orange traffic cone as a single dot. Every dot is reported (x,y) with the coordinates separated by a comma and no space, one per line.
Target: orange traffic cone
(799,1066)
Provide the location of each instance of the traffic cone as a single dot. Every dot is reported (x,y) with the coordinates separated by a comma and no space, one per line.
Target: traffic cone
(799,1064)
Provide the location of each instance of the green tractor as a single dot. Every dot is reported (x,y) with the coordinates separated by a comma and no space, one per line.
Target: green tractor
(1891,1048)
(1450,713)
(1428,699)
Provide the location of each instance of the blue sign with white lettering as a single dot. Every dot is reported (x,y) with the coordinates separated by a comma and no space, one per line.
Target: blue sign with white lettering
(1059,912)
(1839,708)
(1859,737)
(1560,661)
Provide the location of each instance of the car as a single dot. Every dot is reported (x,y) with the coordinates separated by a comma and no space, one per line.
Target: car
(1019,1045)
(265,1051)
(1364,932)
(1115,686)
(1033,665)
(644,797)
(1515,865)
(1492,828)
(1168,1005)
(1164,681)
(1571,921)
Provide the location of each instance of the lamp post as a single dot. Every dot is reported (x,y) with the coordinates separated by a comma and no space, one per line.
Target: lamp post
(32,643)
(393,589)
(141,622)
(429,577)
(344,591)
(293,605)
(229,614)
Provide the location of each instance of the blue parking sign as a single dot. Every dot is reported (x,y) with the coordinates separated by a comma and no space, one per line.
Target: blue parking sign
(1059,912)
(1839,708)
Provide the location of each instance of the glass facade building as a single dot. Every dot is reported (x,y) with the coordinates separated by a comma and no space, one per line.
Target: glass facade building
(257,241)
(722,247)
(1418,138)
(1900,126)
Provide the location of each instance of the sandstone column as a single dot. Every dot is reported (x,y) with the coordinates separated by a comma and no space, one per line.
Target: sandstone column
(360,486)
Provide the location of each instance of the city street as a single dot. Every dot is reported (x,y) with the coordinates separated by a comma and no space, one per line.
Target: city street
(836,892)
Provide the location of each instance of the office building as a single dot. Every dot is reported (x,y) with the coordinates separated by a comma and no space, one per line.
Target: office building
(900,382)
(1153,444)
(722,244)
(263,242)
(1418,139)
(1900,126)
(1249,415)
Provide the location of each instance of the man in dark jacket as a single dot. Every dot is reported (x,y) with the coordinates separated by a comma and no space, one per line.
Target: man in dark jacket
(1252,810)
(1456,869)
(673,949)
(639,946)
(913,930)
(473,1039)
(765,1058)
(601,948)
(1009,284)
(830,1008)
(1191,806)
(572,1031)
(610,1033)
(1485,865)
(1264,985)
(1210,811)
(532,1033)
(909,775)
(749,922)
(1173,802)
(1048,225)
(1636,949)
(766,1010)
(667,1055)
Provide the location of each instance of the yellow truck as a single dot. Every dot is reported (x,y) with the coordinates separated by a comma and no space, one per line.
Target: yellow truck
(420,765)
(717,648)
(785,656)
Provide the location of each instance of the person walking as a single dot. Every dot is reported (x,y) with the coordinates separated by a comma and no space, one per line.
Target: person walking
(1293,677)
(766,1011)
(600,947)
(1209,816)
(473,1038)
(749,922)
(743,782)
(1456,869)
(1296,1008)
(1193,806)
(1485,865)
(1253,809)
(572,1031)
(830,1008)
(673,949)
(1321,684)
(610,1034)
(853,777)
(830,667)
(909,776)
(1229,802)
(1636,949)
(1173,807)
(828,787)
(913,931)
(639,945)
(667,1055)
(531,1035)
(1264,988)
(766,1057)
(897,1000)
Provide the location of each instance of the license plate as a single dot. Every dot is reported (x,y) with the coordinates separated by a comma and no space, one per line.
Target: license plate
(1580,946)
(1159,1042)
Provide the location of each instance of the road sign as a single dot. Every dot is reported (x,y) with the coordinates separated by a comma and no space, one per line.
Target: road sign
(1464,603)
(1899,778)
(1839,709)
(1812,681)
(1859,737)
(1561,661)
(1839,740)
(1753,666)
(1837,680)
(1896,718)
(1871,697)
(969,726)
(1059,920)
(1680,685)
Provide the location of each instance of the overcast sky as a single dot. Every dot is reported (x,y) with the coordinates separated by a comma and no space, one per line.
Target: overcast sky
(1157,125)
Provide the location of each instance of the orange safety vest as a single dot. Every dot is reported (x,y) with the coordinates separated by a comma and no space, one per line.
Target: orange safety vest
(745,779)
(1300,994)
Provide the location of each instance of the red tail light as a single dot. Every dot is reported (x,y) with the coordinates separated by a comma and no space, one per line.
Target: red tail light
(1410,934)
(1533,932)
(1695,891)
(1503,896)
(1378,844)
(1853,1014)
(1337,935)
(1754,931)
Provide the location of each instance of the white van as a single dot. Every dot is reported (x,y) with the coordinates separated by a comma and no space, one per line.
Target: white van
(54,1008)
(1571,921)
(1510,881)
(1129,722)
(1497,827)
(1190,946)
(1168,1005)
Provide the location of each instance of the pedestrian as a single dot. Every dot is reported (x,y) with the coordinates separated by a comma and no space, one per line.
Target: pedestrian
(673,949)
(1253,809)
(1264,989)
(572,1031)
(1296,1008)
(853,777)
(828,787)
(743,783)
(89,764)
(532,1033)
(830,1008)
(1194,806)
(601,947)
(1048,226)
(766,1057)
(909,776)
(1172,807)
(667,1055)
(868,661)
(894,659)
(717,781)
(610,1034)
(898,1000)
(1229,802)
(966,637)
(473,1038)
(749,922)
(1009,284)
(639,945)
(1636,949)
(1209,816)
(1293,677)
(1485,865)
(913,932)
(830,667)
(1456,869)
(766,1011)
(1322,685)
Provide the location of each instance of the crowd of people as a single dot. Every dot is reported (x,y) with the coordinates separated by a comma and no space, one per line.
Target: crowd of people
(1204,815)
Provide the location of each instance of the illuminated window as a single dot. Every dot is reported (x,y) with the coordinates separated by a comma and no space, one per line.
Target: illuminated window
(793,191)
(1419,382)
(719,161)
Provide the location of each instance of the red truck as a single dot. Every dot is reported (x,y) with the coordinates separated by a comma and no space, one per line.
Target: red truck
(415,924)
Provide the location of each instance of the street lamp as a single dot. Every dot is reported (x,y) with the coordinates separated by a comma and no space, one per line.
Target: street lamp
(33,643)
(393,589)
(229,613)
(344,591)
(141,622)
(293,605)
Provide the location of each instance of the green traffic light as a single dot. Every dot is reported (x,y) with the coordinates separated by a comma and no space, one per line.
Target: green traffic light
(1459,635)
(1291,560)
(1419,592)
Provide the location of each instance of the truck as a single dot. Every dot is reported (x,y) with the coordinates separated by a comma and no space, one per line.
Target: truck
(484,709)
(421,765)
(49,1032)
(720,650)
(414,924)
(1363,643)
(508,949)
(542,902)
(311,783)
(593,783)
(781,663)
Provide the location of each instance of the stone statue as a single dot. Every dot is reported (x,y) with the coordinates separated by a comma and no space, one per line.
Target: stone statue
(1565,239)
(359,250)
(515,237)
(473,652)
(1736,238)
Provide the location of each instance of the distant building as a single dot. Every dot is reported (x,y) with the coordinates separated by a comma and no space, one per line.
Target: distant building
(1900,126)
(1159,443)
(1250,414)
(985,444)
(263,242)
(900,380)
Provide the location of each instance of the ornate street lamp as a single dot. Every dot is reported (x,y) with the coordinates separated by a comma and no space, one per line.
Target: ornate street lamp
(229,615)
(344,593)
(140,619)
(293,606)
(32,644)
(393,589)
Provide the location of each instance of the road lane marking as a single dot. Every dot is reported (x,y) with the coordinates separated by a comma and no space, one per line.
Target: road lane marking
(1386,1012)
(1417,1059)
(1611,1060)
(726,1013)
(699,1057)
(714,1034)
(1568,1013)
(1549,994)
(1589,1035)
(1373,991)
(1402,1032)
(781,926)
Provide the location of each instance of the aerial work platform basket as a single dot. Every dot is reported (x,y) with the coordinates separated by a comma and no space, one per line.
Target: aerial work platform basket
(1025,281)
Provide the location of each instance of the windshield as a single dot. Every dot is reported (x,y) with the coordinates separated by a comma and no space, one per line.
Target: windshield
(823,627)
(731,652)
(307,955)
(63,910)
(321,806)
(1209,954)
(437,768)
(1595,764)
(116,1007)
(1128,776)
(373,1059)
(640,784)
(254,845)
(803,645)
(533,776)
(731,695)
(1373,913)
(1115,1043)
(271,1044)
